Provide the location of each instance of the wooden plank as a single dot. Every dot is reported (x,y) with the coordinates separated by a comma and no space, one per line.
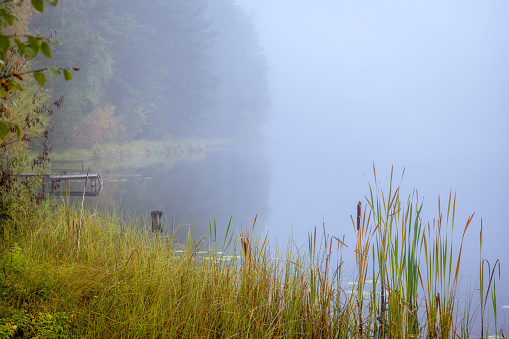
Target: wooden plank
(74,176)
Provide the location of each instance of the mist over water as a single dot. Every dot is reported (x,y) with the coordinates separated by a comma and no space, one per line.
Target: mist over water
(417,86)
(217,185)
(340,148)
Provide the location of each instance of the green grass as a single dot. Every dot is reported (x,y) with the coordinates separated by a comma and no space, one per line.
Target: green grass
(144,148)
(67,272)
(134,154)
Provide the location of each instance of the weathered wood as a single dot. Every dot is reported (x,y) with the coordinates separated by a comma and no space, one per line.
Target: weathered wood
(53,181)
(94,176)
(156,221)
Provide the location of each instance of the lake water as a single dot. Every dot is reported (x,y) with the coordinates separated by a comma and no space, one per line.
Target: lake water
(189,191)
(239,183)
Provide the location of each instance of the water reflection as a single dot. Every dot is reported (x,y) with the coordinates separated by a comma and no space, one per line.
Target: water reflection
(190,190)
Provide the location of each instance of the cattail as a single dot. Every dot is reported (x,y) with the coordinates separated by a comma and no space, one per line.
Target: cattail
(359,208)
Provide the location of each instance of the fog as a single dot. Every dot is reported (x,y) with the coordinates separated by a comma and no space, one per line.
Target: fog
(320,91)
(418,85)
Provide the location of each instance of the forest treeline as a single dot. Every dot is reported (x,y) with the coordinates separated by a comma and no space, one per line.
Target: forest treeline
(163,69)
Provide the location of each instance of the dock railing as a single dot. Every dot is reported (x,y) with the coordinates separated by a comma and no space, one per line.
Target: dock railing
(90,183)
(69,167)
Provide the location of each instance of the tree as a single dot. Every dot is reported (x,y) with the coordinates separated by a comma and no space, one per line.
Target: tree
(15,51)
(102,125)
(163,85)
(23,112)
(241,96)
(176,67)
(86,29)
(21,109)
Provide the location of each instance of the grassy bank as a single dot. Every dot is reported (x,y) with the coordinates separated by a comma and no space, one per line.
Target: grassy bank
(134,148)
(65,272)
(134,154)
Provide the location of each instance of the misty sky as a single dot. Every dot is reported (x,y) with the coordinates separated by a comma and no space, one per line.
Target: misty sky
(415,84)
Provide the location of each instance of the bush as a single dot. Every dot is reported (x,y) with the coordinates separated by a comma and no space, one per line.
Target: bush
(42,325)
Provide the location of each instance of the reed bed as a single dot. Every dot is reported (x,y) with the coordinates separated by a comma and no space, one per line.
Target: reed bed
(68,272)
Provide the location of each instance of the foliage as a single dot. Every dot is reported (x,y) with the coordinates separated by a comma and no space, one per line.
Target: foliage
(24,109)
(205,73)
(102,125)
(185,68)
(16,195)
(86,32)
(15,50)
(175,77)
(41,325)
(32,116)
(241,96)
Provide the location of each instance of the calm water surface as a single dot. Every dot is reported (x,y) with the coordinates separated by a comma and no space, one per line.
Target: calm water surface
(237,183)
(190,191)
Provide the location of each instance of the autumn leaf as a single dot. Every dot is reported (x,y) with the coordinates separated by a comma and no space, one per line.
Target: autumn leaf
(5,44)
(8,17)
(40,77)
(34,44)
(4,130)
(19,132)
(14,86)
(54,71)
(67,75)
(38,5)
(46,50)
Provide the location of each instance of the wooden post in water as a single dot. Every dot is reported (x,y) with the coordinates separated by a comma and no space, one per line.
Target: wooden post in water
(156,221)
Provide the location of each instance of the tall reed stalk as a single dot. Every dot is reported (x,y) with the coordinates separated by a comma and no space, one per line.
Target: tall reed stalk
(396,260)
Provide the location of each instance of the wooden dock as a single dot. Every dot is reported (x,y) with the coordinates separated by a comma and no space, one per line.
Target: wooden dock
(76,184)
(52,183)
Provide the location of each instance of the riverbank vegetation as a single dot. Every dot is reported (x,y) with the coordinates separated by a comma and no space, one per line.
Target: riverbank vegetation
(204,79)
(174,69)
(67,271)
(70,272)
(145,148)
(202,86)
